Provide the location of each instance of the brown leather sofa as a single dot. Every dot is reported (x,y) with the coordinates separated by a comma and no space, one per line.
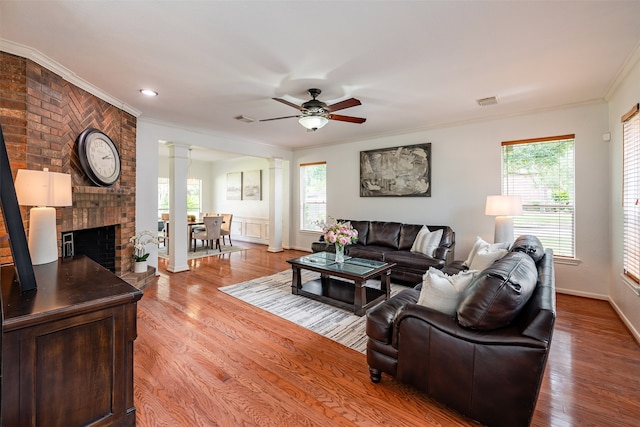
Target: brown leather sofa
(488,372)
(392,242)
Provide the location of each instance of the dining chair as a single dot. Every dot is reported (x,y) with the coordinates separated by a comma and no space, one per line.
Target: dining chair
(211,232)
(226,227)
(162,233)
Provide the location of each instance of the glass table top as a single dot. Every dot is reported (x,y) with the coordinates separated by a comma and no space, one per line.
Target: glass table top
(326,260)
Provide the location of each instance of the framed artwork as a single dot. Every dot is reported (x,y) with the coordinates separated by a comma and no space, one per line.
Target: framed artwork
(403,171)
(234,186)
(252,185)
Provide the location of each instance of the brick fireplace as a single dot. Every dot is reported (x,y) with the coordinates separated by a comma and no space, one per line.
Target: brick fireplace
(41,115)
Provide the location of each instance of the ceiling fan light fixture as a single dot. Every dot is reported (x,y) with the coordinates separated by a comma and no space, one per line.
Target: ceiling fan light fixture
(313,122)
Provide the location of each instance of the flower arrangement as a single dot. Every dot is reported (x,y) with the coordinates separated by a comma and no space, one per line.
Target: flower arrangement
(340,233)
(140,242)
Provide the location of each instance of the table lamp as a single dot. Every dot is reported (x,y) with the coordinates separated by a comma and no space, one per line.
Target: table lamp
(503,207)
(43,190)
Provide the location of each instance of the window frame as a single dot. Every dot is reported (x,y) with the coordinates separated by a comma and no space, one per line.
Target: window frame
(191,182)
(631,194)
(549,220)
(304,202)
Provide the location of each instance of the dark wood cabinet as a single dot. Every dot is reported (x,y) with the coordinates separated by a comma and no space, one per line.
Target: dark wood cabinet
(67,349)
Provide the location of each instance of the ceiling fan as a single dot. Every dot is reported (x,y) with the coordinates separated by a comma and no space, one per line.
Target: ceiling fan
(314,113)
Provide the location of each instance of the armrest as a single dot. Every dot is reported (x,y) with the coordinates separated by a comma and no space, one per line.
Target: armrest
(415,320)
(379,324)
(445,253)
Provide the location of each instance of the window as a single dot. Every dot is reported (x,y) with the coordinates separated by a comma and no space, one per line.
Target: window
(541,172)
(313,196)
(163,196)
(194,196)
(631,193)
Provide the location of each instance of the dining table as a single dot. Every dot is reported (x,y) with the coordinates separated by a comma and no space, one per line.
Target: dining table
(190,225)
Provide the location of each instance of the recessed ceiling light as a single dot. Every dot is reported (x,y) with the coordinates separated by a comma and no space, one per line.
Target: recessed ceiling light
(148,92)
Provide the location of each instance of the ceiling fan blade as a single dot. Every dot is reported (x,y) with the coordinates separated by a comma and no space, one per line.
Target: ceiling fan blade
(290,104)
(347,103)
(277,118)
(347,118)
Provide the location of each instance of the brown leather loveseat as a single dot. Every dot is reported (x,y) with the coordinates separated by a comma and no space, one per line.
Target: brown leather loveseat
(487,360)
(392,242)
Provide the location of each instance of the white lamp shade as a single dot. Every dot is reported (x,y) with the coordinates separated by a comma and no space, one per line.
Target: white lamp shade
(503,205)
(43,188)
(313,122)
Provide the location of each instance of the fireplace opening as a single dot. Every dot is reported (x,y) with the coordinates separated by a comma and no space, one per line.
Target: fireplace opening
(99,244)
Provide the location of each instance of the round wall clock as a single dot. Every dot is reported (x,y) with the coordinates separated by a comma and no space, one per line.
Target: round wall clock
(99,157)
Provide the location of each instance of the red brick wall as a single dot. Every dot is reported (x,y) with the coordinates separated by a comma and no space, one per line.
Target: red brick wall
(41,116)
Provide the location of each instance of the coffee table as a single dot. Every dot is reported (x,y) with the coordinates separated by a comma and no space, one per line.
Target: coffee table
(342,284)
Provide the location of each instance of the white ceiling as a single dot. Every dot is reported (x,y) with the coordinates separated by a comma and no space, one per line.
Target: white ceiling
(413,64)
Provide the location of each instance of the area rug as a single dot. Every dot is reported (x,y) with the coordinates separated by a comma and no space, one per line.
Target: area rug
(273,294)
(201,252)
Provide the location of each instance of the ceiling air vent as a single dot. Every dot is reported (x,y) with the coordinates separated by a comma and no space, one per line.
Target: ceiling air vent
(245,119)
(483,102)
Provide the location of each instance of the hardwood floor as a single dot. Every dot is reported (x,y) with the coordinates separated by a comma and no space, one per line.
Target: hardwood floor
(203,358)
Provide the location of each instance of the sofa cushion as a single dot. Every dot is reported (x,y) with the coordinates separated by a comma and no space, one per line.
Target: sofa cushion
(373,252)
(362,227)
(441,292)
(384,234)
(408,233)
(498,293)
(413,261)
(426,241)
(529,245)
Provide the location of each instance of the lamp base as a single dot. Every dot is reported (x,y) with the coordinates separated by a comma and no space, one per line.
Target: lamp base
(503,230)
(43,241)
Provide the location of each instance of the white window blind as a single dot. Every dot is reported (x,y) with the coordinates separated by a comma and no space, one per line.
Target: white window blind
(313,196)
(631,193)
(542,172)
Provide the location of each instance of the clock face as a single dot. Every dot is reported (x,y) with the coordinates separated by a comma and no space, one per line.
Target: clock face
(99,157)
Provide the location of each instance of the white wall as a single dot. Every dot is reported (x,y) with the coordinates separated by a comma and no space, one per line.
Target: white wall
(242,208)
(622,297)
(466,167)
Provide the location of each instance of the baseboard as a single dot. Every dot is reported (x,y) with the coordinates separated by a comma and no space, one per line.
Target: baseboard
(626,321)
(582,294)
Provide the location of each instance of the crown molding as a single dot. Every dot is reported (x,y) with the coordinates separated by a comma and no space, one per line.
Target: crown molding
(624,71)
(68,75)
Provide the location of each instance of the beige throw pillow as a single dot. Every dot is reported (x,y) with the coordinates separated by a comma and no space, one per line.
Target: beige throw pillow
(482,244)
(442,292)
(427,241)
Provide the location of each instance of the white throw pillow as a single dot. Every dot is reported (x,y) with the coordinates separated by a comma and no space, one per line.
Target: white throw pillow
(485,257)
(480,244)
(441,292)
(427,241)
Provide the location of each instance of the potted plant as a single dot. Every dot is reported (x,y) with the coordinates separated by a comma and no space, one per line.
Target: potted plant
(140,254)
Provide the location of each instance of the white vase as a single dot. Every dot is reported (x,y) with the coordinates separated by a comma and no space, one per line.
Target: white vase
(140,267)
(339,253)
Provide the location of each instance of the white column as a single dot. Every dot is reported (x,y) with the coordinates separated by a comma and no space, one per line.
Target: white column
(275,205)
(178,232)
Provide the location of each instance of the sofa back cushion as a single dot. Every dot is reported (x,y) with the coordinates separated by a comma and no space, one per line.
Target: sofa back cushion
(529,245)
(384,234)
(362,227)
(498,293)
(408,233)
